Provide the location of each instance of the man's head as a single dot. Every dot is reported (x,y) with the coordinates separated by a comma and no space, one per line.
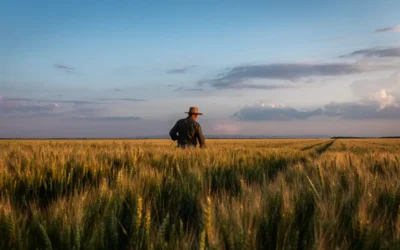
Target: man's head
(194,116)
(193,112)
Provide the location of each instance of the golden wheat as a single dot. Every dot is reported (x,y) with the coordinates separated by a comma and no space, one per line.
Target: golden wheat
(236,194)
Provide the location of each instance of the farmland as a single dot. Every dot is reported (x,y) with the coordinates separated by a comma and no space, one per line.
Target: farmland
(236,194)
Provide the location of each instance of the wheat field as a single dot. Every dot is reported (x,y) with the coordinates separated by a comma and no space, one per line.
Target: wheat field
(236,194)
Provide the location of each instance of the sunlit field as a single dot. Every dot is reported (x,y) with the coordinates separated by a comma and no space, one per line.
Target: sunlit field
(236,194)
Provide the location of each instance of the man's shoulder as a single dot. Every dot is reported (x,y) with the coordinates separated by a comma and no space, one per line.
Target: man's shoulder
(181,120)
(188,121)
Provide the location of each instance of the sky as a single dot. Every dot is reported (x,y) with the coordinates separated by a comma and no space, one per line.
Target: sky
(132,68)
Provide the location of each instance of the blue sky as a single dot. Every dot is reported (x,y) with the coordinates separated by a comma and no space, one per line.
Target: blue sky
(131,68)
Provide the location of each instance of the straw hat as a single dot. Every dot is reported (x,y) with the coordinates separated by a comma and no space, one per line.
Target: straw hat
(194,110)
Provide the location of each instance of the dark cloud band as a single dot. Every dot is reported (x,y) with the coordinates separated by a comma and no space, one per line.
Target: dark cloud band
(236,77)
(181,70)
(66,68)
(375,52)
(277,114)
(8,108)
(389,29)
(182,89)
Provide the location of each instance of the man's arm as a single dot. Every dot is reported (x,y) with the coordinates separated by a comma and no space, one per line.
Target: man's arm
(173,132)
(200,137)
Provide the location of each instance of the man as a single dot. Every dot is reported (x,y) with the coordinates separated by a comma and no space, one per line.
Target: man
(188,130)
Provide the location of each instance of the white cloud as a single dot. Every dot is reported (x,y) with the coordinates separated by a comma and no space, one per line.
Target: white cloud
(384,99)
(54,105)
(261,103)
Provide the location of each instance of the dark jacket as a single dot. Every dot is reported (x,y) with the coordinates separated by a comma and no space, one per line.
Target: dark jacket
(189,131)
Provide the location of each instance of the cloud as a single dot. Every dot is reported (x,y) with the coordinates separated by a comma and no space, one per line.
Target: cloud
(36,108)
(388,29)
(189,89)
(181,70)
(18,99)
(67,69)
(110,118)
(74,102)
(379,105)
(375,52)
(37,115)
(384,99)
(236,77)
(10,107)
(25,108)
(355,111)
(260,86)
(272,112)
